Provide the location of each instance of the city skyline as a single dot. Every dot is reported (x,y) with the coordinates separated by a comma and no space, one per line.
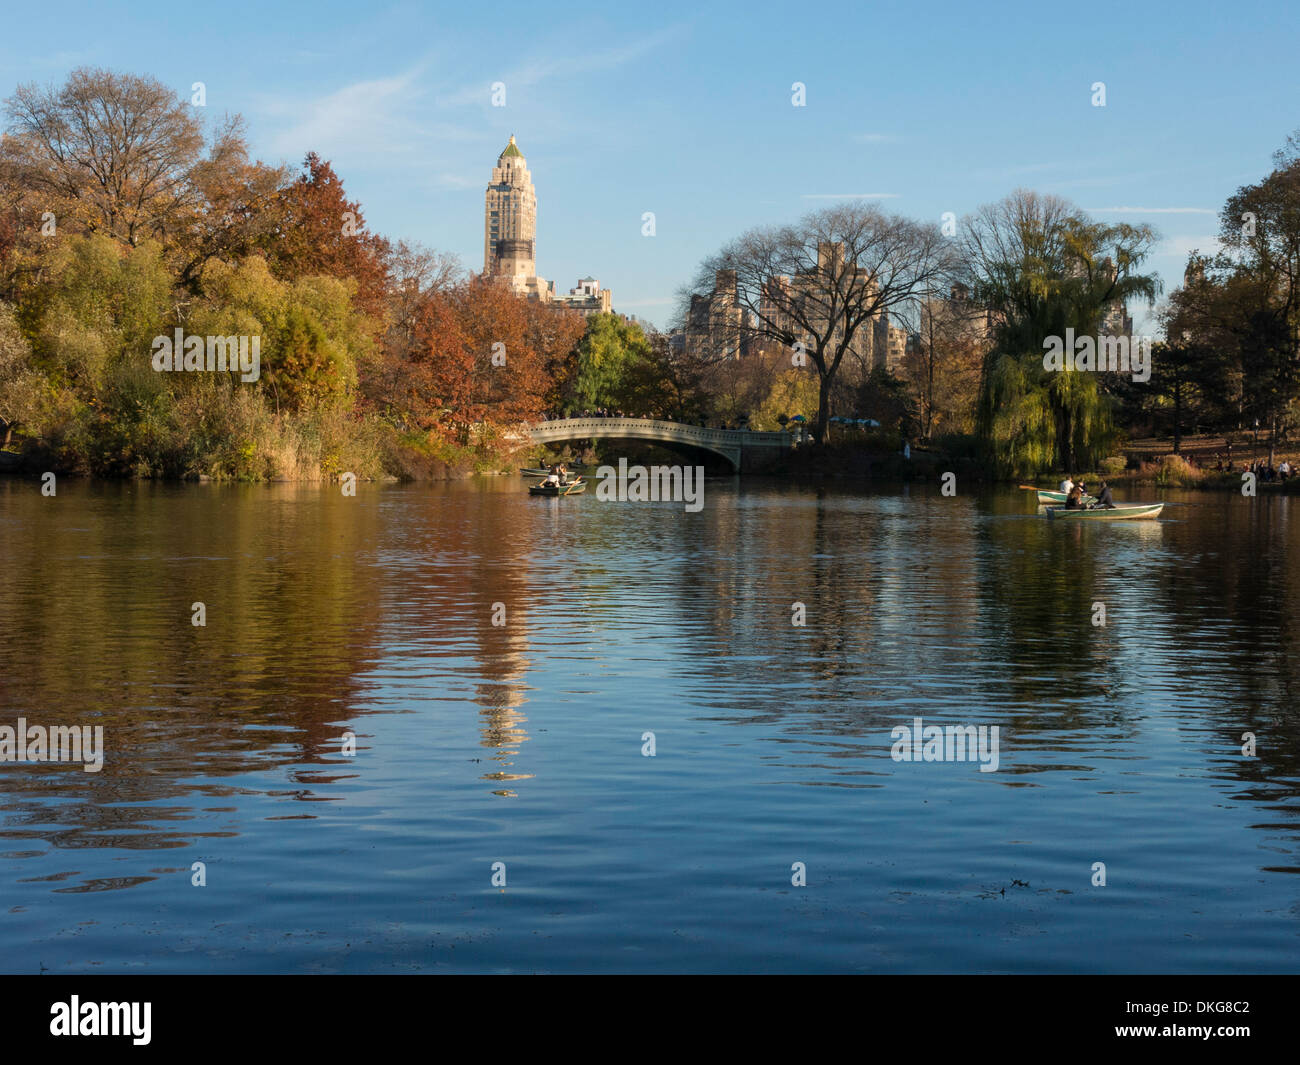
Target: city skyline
(620,115)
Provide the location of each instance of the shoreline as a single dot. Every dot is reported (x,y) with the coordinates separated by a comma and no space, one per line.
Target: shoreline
(835,463)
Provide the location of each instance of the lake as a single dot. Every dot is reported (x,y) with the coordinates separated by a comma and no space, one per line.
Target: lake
(454,728)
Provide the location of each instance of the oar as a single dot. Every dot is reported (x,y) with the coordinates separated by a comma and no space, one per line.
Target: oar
(1027,487)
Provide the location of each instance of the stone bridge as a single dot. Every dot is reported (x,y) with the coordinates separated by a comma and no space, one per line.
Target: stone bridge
(732,444)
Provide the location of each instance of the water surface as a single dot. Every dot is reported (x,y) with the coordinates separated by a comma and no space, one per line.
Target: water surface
(521,742)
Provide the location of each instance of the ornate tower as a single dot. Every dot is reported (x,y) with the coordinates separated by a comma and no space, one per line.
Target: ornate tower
(510,222)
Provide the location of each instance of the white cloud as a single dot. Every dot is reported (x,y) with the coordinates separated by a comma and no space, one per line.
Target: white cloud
(571,60)
(362,117)
(392,115)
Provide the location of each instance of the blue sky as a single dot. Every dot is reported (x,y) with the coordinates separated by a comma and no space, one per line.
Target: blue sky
(685,110)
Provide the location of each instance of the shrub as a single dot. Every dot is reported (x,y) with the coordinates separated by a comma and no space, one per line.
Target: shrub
(1176,470)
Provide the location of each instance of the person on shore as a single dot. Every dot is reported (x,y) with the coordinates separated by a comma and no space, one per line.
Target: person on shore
(1104,500)
(1074,498)
(1284,470)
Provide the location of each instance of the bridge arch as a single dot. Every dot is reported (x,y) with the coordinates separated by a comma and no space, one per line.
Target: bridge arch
(731,444)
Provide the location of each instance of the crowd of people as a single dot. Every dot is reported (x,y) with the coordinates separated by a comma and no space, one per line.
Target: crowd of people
(741,424)
(599,412)
(1265,471)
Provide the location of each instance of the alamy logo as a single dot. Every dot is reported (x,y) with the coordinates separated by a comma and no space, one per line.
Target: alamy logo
(956,743)
(195,353)
(1088,354)
(657,484)
(60,743)
(102,1018)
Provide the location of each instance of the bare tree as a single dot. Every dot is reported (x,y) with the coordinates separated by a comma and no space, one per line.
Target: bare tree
(821,284)
(116,149)
(125,156)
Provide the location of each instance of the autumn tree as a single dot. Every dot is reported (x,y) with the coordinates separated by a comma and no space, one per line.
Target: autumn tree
(660,382)
(1249,294)
(739,387)
(942,365)
(479,364)
(319,231)
(312,338)
(793,394)
(416,273)
(21,384)
(125,157)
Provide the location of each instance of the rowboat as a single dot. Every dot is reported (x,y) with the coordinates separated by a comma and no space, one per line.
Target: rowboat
(1119,513)
(573,488)
(1047,496)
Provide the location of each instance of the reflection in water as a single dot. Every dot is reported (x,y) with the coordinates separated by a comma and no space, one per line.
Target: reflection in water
(476,644)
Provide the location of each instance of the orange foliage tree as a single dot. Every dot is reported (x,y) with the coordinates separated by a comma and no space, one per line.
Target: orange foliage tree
(320,231)
(483,360)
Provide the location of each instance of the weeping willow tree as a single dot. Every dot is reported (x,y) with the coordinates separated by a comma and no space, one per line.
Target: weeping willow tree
(1044,267)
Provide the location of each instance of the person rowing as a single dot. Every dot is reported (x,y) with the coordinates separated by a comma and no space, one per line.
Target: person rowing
(1104,501)
(1066,485)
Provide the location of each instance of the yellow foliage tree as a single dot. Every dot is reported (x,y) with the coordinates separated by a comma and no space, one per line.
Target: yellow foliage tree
(793,392)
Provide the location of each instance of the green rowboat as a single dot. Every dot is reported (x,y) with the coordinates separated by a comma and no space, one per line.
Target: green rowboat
(1047,496)
(1120,513)
(573,488)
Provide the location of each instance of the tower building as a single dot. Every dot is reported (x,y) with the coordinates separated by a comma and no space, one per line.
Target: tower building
(510,226)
